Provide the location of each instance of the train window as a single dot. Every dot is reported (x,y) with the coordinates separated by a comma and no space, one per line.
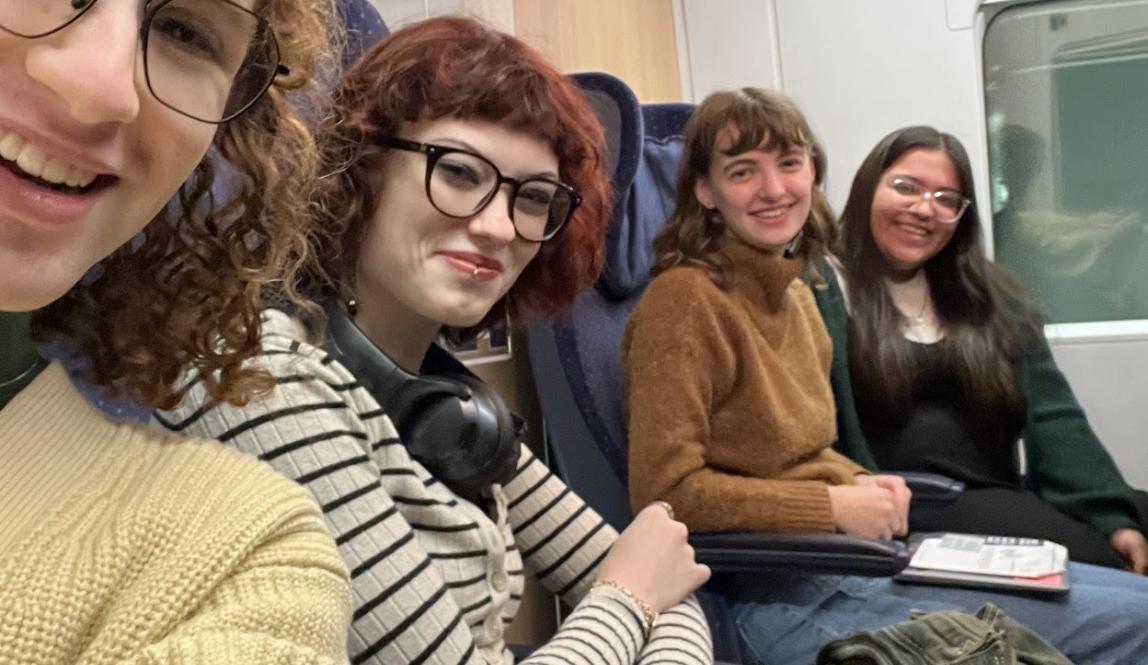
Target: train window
(1066,96)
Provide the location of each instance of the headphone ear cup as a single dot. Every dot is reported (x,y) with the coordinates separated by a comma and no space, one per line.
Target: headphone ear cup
(461,431)
(499,434)
(449,421)
(430,416)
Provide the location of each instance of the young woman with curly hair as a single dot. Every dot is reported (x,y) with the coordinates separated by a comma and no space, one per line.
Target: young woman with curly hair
(121,543)
(466,182)
(733,415)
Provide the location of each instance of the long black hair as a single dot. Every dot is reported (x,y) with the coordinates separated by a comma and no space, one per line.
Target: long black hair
(985,315)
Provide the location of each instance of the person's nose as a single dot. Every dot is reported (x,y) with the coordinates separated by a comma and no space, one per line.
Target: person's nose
(771,187)
(924,207)
(493,225)
(92,65)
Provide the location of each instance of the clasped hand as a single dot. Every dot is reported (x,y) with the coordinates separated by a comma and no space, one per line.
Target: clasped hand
(653,559)
(876,507)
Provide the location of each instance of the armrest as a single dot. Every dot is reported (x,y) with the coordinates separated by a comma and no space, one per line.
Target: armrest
(932,486)
(823,554)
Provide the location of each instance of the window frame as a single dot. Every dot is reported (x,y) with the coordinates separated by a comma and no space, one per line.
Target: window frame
(1117,331)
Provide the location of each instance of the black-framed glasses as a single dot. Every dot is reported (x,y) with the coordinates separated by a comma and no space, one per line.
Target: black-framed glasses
(460,184)
(948,204)
(210,60)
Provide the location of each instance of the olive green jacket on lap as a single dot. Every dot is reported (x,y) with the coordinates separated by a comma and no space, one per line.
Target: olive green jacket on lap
(939,638)
(1067,465)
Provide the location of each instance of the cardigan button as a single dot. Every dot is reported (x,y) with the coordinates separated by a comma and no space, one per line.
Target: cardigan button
(493,655)
(493,625)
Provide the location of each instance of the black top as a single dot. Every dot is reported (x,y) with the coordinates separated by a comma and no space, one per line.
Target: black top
(1067,466)
(939,429)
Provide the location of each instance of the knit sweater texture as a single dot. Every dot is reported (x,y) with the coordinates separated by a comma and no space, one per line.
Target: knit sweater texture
(121,544)
(436,578)
(731,414)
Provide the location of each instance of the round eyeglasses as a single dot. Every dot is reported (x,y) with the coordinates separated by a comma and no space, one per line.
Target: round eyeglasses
(947,204)
(207,59)
(460,184)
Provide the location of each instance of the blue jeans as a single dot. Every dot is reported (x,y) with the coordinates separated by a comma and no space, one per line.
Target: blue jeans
(788,617)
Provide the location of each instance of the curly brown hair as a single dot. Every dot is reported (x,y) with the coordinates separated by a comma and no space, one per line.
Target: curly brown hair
(188,293)
(459,68)
(757,117)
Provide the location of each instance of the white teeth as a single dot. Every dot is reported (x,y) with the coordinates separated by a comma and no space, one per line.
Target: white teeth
(55,171)
(36,163)
(11,146)
(914,230)
(32,160)
(77,178)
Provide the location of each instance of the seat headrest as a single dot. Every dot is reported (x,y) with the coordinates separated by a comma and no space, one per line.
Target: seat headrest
(364,28)
(620,114)
(645,150)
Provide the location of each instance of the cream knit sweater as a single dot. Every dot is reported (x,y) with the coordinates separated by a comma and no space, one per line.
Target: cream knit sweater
(120,544)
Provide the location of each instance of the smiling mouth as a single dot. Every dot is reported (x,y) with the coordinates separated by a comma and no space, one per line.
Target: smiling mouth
(771,213)
(478,267)
(914,230)
(30,163)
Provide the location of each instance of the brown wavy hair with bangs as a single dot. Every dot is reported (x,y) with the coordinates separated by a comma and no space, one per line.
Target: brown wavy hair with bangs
(757,119)
(452,67)
(187,293)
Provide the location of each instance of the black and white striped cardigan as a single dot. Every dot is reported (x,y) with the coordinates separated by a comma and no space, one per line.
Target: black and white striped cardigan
(436,579)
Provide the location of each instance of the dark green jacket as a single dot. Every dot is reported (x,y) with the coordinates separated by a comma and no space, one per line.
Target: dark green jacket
(1067,465)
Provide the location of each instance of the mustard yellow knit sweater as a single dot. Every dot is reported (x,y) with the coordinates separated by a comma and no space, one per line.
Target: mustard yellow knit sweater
(731,412)
(121,544)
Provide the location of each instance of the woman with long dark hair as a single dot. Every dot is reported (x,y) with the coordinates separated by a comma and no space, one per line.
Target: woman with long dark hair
(950,366)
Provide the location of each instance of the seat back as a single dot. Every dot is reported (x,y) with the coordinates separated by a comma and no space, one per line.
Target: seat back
(364,28)
(577,359)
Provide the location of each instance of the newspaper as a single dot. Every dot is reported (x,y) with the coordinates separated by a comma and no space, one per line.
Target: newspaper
(991,555)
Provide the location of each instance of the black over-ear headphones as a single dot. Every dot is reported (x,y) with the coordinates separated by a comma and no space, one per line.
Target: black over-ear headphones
(448,419)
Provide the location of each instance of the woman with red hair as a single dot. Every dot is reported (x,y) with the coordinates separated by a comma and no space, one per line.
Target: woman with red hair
(466,184)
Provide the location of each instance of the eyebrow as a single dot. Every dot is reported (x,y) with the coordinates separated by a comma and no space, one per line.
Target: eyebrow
(459,143)
(917,181)
(455,143)
(740,161)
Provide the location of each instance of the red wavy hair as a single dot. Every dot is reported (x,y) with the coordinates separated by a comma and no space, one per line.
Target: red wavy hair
(459,68)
